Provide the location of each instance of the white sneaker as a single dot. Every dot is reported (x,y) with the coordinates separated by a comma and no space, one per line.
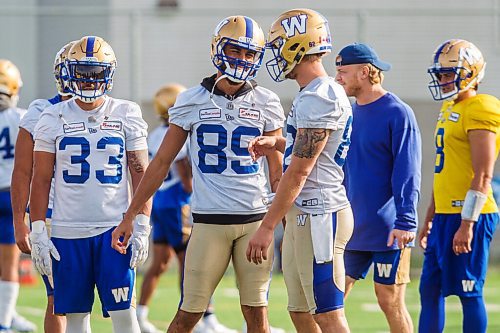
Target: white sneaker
(21,324)
(202,328)
(212,323)
(147,327)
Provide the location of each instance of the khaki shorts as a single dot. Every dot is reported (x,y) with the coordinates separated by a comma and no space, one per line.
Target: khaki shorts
(209,251)
(312,287)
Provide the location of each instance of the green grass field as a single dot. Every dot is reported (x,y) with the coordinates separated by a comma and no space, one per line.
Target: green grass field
(362,309)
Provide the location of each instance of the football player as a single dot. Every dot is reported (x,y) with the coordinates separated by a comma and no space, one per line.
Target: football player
(21,176)
(170,218)
(462,215)
(10,117)
(88,143)
(310,192)
(385,141)
(220,116)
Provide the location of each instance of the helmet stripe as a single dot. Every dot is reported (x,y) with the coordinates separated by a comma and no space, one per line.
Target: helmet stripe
(90,47)
(249,27)
(438,52)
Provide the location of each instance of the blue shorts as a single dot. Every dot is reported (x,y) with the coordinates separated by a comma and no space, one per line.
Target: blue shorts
(390,267)
(48,287)
(86,263)
(168,227)
(6,219)
(461,275)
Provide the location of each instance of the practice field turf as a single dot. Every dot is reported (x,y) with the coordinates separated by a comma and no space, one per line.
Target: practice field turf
(362,309)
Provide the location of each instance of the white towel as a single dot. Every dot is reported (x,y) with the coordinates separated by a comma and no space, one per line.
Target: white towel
(322,237)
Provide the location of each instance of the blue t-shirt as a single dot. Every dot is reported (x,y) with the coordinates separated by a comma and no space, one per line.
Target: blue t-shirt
(383,171)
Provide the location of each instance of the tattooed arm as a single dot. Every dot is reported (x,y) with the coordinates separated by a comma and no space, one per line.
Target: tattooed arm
(309,143)
(137,163)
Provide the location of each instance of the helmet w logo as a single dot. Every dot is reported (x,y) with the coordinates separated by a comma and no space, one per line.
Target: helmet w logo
(295,23)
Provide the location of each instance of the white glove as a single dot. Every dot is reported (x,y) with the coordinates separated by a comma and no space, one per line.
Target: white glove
(268,199)
(140,240)
(41,248)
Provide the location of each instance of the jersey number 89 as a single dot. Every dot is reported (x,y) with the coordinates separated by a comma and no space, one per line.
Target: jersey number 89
(235,146)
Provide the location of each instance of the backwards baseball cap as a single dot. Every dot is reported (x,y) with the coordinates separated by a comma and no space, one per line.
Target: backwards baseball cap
(359,53)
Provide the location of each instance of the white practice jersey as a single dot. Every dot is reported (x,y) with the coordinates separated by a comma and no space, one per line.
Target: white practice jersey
(225,180)
(9,127)
(322,104)
(29,122)
(155,139)
(91,183)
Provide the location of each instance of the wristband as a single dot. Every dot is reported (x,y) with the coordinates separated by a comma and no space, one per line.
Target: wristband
(141,219)
(473,204)
(38,226)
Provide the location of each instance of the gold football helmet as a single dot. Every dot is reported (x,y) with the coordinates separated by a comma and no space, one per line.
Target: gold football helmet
(242,32)
(294,34)
(60,70)
(91,65)
(10,78)
(460,60)
(165,98)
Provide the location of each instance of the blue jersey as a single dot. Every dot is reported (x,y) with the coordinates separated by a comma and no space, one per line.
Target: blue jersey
(383,172)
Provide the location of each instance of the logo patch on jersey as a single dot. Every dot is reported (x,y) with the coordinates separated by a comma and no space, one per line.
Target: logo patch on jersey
(210,113)
(92,130)
(310,202)
(74,127)
(454,117)
(249,114)
(457,203)
(111,125)
(229,117)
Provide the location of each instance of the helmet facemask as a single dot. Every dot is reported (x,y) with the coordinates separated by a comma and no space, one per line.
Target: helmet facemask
(278,68)
(89,80)
(61,76)
(236,69)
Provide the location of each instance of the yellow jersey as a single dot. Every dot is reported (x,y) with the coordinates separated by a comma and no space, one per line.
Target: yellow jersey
(453,171)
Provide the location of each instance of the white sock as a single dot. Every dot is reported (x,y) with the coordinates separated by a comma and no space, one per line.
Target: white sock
(125,321)
(142,311)
(78,322)
(8,297)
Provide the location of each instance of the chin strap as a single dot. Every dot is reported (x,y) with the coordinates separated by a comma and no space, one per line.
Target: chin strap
(224,76)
